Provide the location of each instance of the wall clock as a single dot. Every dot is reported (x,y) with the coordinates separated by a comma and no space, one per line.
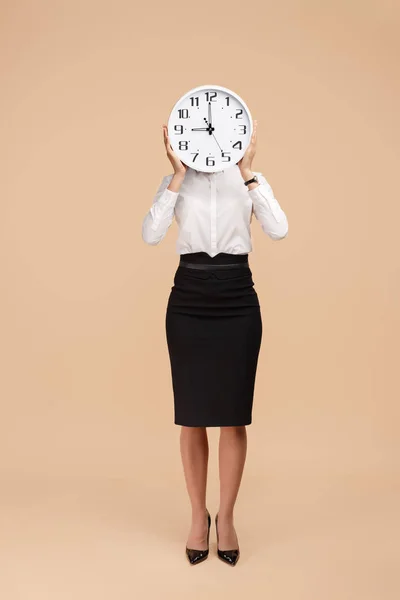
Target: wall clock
(210,128)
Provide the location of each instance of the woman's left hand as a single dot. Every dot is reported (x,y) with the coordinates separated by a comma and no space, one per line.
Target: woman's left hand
(246,161)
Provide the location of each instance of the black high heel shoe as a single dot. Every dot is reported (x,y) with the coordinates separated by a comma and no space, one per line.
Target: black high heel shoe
(229,556)
(197,556)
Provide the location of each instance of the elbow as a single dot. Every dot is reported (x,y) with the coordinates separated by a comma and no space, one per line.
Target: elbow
(151,241)
(149,237)
(279,233)
(150,232)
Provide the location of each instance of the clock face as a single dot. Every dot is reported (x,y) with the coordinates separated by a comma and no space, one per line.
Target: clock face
(209,128)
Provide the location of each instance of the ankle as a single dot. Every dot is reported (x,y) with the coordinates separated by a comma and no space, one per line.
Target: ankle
(225,517)
(199,514)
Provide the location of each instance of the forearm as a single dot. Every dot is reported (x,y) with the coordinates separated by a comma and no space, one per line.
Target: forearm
(161,213)
(248,174)
(266,207)
(176,182)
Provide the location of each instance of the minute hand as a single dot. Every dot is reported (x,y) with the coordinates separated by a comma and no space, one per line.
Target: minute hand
(210,118)
(211,129)
(217,143)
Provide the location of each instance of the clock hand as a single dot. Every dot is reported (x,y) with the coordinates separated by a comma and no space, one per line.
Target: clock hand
(208,128)
(217,143)
(211,129)
(209,116)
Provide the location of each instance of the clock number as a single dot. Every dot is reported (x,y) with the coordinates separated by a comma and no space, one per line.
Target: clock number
(208,159)
(244,129)
(225,155)
(227,100)
(239,111)
(237,145)
(183,113)
(210,96)
(194,100)
(195,155)
(183,147)
(179,127)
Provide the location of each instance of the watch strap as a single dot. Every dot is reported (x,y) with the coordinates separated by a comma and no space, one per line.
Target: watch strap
(254,179)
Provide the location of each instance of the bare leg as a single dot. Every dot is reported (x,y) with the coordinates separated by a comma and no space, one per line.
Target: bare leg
(232,457)
(194,452)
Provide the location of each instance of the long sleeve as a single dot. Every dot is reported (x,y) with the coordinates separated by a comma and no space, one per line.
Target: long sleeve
(161,213)
(267,209)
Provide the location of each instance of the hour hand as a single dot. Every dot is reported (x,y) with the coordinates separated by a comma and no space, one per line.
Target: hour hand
(200,128)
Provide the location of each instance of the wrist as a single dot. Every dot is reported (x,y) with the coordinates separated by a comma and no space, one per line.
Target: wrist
(178,177)
(246,173)
(249,174)
(176,181)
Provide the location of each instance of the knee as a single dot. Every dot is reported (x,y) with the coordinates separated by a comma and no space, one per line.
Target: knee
(193,431)
(234,431)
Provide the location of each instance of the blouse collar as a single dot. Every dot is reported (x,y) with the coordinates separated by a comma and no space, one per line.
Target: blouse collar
(208,175)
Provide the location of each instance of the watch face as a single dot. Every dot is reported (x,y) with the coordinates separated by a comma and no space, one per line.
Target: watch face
(210,128)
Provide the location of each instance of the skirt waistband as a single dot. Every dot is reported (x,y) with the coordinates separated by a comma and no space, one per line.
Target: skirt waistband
(223,260)
(184,263)
(202,260)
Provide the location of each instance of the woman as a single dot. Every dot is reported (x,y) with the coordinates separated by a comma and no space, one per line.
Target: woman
(213,325)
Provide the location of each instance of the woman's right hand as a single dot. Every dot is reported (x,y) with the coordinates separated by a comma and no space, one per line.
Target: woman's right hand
(179,167)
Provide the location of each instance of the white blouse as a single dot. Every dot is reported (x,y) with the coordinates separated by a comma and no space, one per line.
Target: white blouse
(213,212)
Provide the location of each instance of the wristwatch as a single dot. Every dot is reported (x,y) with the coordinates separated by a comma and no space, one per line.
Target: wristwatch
(253,179)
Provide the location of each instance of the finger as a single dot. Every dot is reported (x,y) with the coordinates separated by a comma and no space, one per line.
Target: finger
(168,146)
(167,142)
(254,136)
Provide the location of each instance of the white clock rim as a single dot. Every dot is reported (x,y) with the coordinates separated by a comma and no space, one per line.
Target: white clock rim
(221,89)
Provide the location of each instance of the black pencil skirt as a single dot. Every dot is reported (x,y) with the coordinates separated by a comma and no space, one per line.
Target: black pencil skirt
(213,330)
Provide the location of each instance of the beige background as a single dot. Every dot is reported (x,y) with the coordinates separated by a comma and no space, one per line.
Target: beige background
(93,502)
